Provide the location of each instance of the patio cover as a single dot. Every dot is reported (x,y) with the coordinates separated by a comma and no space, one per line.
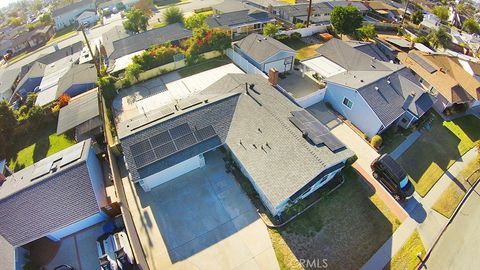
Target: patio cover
(80,110)
(323,66)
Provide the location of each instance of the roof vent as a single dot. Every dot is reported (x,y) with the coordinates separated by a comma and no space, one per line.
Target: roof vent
(376,88)
(388,81)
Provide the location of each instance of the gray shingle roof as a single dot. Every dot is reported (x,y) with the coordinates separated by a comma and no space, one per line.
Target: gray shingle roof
(237,18)
(260,47)
(78,111)
(33,208)
(8,78)
(145,40)
(116,33)
(70,7)
(369,48)
(280,170)
(383,85)
(300,10)
(50,58)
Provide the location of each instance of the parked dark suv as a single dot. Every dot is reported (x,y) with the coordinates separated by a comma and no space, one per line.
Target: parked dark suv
(389,173)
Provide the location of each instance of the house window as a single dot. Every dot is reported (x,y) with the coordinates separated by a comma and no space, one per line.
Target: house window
(257,26)
(347,102)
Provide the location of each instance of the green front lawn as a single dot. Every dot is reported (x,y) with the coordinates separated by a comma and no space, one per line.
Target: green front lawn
(346,228)
(453,195)
(37,145)
(441,143)
(63,34)
(407,257)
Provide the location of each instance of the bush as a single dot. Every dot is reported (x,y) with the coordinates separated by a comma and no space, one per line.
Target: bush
(173,15)
(376,141)
(282,37)
(299,25)
(295,35)
(156,56)
(133,71)
(107,88)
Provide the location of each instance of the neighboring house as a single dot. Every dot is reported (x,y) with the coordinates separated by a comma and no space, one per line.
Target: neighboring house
(30,80)
(116,33)
(31,39)
(455,18)
(320,14)
(112,4)
(54,198)
(450,79)
(60,53)
(173,33)
(266,53)
(262,129)
(430,23)
(65,16)
(8,82)
(240,23)
(372,94)
(230,6)
(68,79)
(82,114)
(402,44)
(384,10)
(88,17)
(371,49)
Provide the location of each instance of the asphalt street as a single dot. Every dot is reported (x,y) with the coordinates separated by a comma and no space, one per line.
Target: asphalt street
(459,246)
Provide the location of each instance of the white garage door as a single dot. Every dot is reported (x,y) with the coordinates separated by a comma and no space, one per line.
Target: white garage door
(172,172)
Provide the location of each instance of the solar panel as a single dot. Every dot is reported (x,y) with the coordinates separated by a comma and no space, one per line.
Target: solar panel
(424,64)
(161,138)
(165,150)
(72,156)
(140,147)
(185,141)
(332,142)
(144,159)
(205,133)
(180,131)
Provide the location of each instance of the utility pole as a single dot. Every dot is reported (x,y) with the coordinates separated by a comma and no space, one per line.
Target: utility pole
(90,50)
(309,12)
(405,12)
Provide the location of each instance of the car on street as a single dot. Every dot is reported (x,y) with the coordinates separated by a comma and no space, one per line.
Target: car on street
(392,176)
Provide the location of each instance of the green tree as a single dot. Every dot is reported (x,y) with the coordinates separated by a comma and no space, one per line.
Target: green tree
(195,21)
(173,15)
(299,25)
(120,6)
(417,17)
(471,26)
(106,85)
(220,41)
(366,32)
(133,71)
(440,38)
(15,21)
(346,19)
(136,20)
(8,122)
(270,30)
(425,40)
(441,12)
(46,19)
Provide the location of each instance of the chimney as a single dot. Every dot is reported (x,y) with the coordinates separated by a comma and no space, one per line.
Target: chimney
(273,76)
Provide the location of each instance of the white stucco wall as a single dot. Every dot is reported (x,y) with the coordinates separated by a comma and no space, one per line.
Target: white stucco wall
(361,115)
(170,173)
(78,226)
(277,61)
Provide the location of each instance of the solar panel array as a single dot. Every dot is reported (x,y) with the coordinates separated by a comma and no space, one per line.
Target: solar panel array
(424,64)
(315,130)
(166,143)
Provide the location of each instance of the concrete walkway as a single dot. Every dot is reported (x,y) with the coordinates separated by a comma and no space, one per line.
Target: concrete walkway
(409,141)
(428,222)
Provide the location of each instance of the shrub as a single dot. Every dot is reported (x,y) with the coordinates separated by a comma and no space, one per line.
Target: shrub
(282,37)
(133,71)
(63,100)
(295,35)
(173,14)
(107,88)
(156,56)
(376,141)
(270,30)
(299,25)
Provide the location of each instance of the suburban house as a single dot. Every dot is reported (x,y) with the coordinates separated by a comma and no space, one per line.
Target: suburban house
(8,82)
(240,23)
(31,79)
(370,93)
(65,16)
(88,17)
(281,148)
(54,198)
(320,14)
(384,10)
(60,53)
(112,4)
(430,22)
(65,78)
(266,53)
(82,114)
(31,39)
(126,45)
(374,49)
(452,80)
(228,6)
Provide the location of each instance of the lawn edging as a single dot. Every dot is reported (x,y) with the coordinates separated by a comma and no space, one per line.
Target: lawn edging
(450,220)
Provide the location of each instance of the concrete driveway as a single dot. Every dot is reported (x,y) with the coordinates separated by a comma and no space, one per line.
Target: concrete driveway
(365,153)
(201,220)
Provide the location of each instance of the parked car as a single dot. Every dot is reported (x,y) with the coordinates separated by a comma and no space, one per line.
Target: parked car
(392,176)
(123,251)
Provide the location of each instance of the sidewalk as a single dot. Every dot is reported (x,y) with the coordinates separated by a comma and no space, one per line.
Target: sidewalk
(428,222)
